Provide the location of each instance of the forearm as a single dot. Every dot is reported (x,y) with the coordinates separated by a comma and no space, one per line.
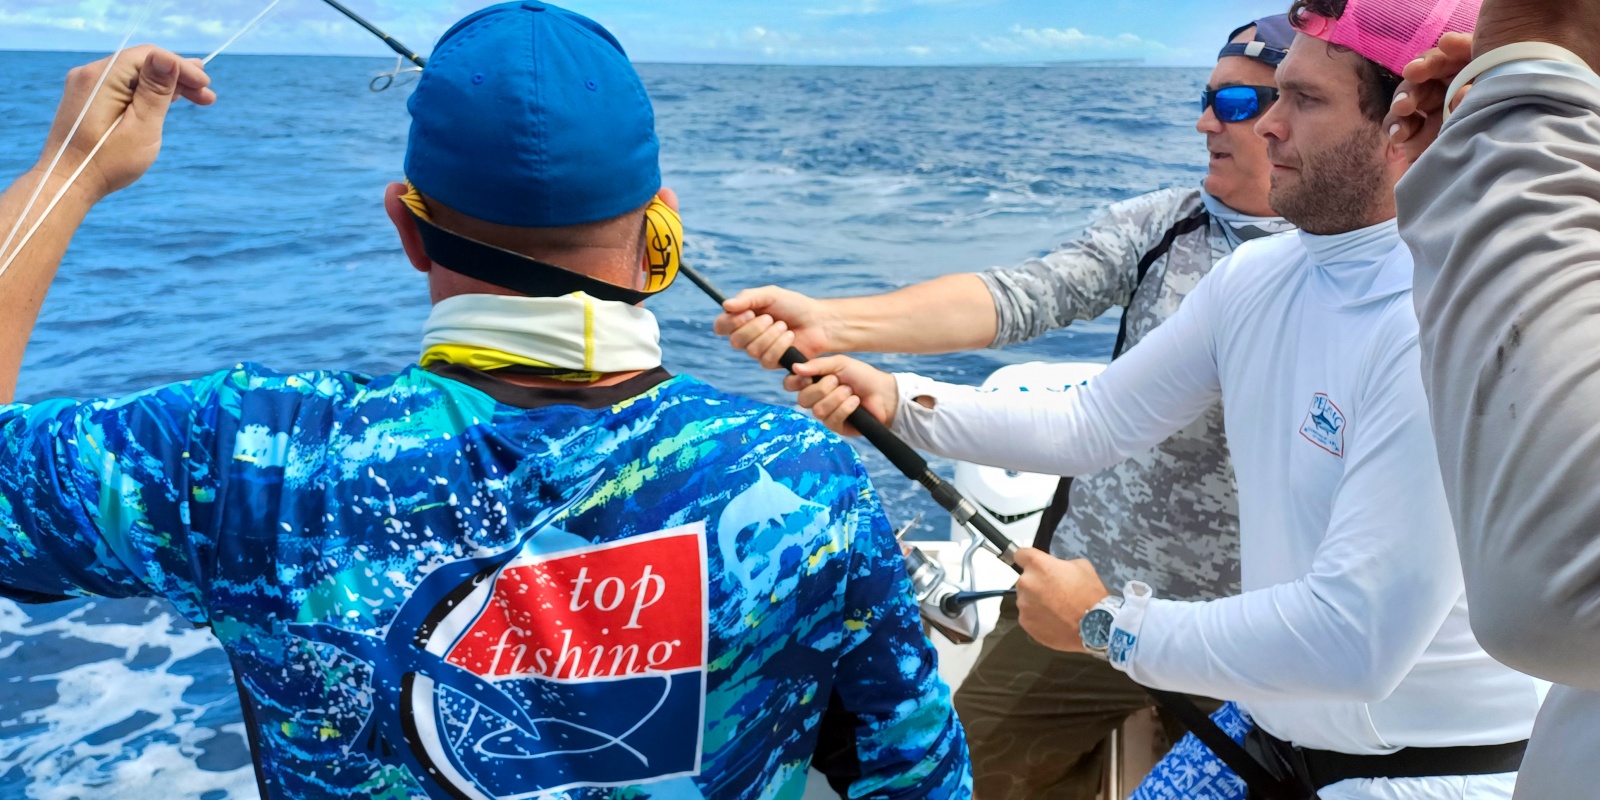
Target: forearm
(1165,383)
(24,285)
(944,315)
(1503,213)
(1043,431)
(1213,649)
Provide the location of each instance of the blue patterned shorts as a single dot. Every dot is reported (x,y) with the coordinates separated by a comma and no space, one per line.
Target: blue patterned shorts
(1192,772)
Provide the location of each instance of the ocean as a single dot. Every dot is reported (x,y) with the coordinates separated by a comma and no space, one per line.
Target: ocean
(260,236)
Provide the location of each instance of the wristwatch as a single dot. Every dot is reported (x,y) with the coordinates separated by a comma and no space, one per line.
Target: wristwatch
(1095,628)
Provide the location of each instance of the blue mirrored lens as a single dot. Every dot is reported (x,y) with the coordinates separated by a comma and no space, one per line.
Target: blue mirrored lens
(1237,104)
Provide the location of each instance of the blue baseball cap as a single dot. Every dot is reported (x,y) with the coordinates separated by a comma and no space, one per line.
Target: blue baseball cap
(1271,42)
(532,116)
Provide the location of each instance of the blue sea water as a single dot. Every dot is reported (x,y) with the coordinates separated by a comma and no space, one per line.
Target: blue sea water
(260,236)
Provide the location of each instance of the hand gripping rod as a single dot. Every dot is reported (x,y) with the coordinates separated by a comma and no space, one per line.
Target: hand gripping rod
(905,459)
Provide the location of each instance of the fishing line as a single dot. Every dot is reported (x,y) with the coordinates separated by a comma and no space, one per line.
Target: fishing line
(67,143)
(55,201)
(242,31)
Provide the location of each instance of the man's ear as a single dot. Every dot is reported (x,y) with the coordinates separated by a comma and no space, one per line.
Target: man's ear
(406,226)
(670,198)
(1395,154)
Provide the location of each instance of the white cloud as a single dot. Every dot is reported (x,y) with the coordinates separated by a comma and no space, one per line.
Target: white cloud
(38,19)
(1024,41)
(862,8)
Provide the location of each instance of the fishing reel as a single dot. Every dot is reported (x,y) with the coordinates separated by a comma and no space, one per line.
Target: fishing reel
(948,605)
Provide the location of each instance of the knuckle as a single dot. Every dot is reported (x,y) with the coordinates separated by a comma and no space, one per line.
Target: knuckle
(79,78)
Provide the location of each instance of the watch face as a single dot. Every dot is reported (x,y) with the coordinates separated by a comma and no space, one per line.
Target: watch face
(1096,628)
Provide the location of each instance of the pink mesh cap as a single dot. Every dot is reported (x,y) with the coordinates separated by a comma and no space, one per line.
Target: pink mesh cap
(1394,32)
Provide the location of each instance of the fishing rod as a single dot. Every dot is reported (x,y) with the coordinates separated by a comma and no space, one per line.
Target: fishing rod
(908,461)
(404,51)
(1260,778)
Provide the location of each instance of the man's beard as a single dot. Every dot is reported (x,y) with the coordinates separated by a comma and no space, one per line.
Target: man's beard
(1338,189)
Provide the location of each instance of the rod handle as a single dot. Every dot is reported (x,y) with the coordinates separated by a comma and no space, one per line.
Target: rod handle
(914,466)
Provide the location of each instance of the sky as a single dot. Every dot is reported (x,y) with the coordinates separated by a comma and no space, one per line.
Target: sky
(864,32)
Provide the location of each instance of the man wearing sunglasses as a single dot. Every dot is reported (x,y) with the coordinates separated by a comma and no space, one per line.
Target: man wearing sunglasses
(1036,718)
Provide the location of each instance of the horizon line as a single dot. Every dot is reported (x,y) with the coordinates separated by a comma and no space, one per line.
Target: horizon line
(1123,63)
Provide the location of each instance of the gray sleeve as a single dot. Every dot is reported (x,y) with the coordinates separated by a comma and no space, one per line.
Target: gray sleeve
(1503,214)
(1085,277)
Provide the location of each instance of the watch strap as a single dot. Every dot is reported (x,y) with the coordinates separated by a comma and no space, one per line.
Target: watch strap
(1127,624)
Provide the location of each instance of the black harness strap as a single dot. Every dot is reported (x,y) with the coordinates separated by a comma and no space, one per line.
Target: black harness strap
(1053,514)
(1184,227)
(1264,782)
(1057,510)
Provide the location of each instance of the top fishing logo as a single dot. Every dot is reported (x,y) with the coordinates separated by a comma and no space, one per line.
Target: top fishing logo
(550,671)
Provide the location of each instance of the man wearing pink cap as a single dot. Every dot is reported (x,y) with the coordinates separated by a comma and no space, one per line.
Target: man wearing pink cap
(1349,652)
(1502,215)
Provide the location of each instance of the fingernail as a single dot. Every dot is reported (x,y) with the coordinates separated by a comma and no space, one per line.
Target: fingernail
(162,67)
(1401,96)
(1394,129)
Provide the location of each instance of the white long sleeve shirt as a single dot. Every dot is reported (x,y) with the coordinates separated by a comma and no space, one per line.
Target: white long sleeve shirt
(1351,634)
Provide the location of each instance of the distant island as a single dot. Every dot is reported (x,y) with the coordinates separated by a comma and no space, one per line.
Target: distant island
(1105,62)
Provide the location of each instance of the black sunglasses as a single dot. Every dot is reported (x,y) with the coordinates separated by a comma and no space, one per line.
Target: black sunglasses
(1238,103)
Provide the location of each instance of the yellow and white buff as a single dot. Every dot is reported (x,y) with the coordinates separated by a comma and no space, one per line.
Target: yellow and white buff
(582,336)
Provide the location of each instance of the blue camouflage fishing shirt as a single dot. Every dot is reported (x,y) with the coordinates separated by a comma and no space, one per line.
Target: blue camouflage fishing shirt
(444,586)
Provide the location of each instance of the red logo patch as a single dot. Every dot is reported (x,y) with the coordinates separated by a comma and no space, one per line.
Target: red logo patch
(611,611)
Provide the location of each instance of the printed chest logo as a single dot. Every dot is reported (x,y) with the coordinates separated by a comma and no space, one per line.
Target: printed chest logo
(606,647)
(538,672)
(1324,425)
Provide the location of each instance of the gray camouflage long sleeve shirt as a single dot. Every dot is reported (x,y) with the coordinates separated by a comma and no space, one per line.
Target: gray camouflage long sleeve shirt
(1169,517)
(1503,215)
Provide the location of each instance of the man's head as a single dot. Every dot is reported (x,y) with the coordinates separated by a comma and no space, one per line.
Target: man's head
(531,133)
(1239,170)
(1333,168)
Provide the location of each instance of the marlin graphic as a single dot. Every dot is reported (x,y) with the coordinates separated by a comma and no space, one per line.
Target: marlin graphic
(1325,422)
(401,652)
(766,503)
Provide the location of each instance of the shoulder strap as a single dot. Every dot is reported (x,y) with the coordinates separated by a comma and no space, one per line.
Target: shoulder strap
(1057,510)
(1185,226)
(1053,514)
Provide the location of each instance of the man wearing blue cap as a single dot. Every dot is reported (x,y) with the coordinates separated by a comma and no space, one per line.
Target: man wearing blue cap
(1036,718)
(535,565)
